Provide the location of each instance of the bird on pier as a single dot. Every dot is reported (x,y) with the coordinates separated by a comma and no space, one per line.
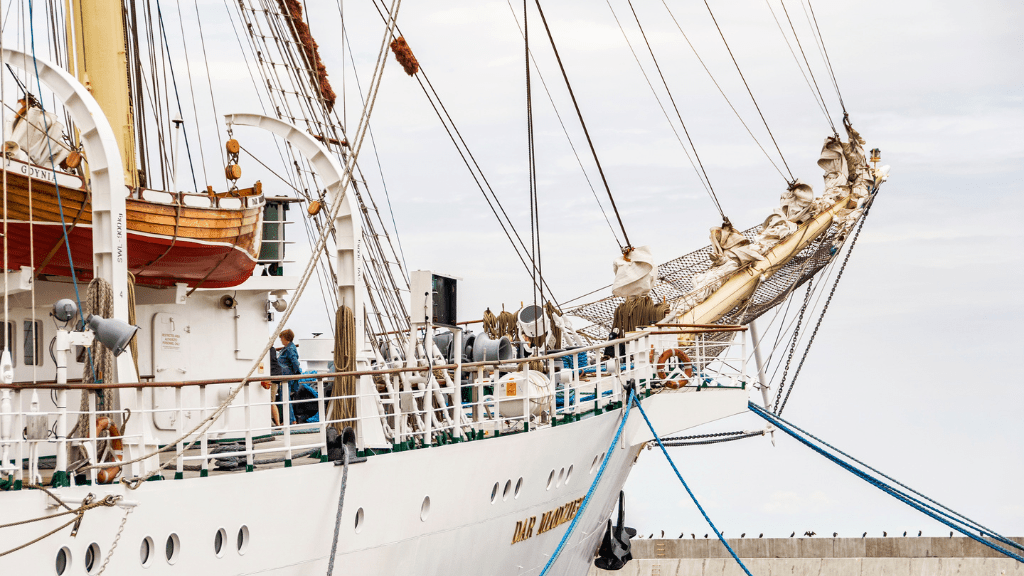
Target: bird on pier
(744,535)
(705,536)
(904,533)
(835,534)
(662,533)
(793,534)
(761,535)
(918,533)
(681,535)
(950,533)
(884,534)
(810,533)
(865,535)
(651,535)
(693,536)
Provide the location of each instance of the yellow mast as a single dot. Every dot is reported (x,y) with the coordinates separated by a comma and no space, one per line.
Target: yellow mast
(100,62)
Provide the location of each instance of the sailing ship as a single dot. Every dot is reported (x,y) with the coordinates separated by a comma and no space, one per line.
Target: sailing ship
(418,447)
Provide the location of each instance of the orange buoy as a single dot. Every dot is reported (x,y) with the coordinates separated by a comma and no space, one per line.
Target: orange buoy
(683,360)
(107,475)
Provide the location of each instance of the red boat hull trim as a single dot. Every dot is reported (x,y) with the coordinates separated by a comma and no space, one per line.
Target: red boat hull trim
(155,260)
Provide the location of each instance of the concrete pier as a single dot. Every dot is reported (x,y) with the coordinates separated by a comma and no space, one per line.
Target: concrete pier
(818,556)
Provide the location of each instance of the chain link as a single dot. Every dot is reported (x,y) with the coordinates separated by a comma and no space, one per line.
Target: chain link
(116,539)
(792,345)
(821,317)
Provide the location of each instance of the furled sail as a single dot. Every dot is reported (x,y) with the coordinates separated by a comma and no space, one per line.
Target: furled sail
(33,135)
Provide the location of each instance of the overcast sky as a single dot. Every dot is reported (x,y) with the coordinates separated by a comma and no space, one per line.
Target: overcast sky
(916,366)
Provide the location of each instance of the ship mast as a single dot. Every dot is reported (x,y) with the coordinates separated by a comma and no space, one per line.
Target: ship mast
(99,61)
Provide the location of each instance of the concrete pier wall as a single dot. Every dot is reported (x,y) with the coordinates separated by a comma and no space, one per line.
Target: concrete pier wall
(818,556)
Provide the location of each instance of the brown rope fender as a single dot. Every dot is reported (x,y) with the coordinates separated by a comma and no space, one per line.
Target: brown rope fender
(403,53)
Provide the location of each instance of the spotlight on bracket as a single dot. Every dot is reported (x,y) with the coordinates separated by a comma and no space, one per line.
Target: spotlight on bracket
(280,305)
(64,310)
(112,333)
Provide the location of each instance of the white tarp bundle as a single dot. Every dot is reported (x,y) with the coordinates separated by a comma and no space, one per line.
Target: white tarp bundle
(635,273)
(27,140)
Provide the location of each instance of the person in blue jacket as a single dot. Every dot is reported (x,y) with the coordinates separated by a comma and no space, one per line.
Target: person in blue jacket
(288,359)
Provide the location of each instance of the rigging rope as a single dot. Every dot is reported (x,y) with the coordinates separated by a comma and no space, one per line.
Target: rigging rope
(586,132)
(688,491)
(827,60)
(809,70)
(593,485)
(337,518)
(722,92)
(177,98)
(749,91)
(814,95)
(565,131)
(711,189)
(955,521)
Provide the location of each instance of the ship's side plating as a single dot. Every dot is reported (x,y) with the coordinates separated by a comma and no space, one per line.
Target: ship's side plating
(428,511)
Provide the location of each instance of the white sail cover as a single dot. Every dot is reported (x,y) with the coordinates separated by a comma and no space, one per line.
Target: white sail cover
(635,273)
(846,173)
(28,134)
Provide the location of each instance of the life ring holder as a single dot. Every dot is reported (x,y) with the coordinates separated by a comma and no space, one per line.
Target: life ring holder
(684,361)
(108,474)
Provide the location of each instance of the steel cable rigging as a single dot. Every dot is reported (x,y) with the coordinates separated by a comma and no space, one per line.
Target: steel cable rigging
(722,92)
(711,189)
(565,131)
(583,124)
(749,91)
(474,168)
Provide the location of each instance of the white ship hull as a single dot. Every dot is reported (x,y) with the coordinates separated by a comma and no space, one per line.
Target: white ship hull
(289,513)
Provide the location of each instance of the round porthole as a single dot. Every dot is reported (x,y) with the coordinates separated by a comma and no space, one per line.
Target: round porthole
(63,560)
(92,557)
(507,490)
(494,493)
(568,474)
(425,509)
(519,486)
(146,551)
(551,480)
(242,541)
(359,521)
(561,475)
(172,548)
(218,542)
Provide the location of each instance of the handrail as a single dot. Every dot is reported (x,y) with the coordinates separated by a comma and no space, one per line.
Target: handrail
(267,378)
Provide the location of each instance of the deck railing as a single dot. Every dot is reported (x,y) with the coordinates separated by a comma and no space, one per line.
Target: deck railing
(398,407)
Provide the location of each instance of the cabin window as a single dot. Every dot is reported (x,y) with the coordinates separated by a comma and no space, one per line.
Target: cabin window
(7,342)
(32,343)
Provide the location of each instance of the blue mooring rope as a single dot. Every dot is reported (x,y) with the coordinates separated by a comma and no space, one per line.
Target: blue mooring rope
(690,492)
(565,537)
(953,523)
(593,486)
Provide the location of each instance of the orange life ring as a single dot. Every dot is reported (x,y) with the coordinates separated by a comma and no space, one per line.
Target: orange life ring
(684,361)
(104,424)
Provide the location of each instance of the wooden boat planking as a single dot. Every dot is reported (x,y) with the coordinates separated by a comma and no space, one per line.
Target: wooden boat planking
(191,238)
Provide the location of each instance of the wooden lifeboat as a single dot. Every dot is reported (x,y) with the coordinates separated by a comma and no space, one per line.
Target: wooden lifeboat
(210,240)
